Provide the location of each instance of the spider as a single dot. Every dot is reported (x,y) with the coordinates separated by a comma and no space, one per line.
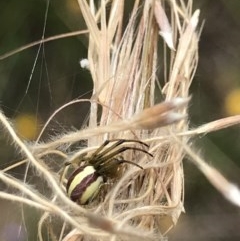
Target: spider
(85,182)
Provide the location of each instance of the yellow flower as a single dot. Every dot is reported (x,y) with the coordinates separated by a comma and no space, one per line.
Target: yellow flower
(27,126)
(232,102)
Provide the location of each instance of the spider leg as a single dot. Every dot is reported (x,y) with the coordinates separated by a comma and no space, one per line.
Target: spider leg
(67,163)
(113,163)
(100,154)
(121,161)
(100,160)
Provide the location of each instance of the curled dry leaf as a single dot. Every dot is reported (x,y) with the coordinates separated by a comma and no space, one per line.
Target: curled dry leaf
(160,115)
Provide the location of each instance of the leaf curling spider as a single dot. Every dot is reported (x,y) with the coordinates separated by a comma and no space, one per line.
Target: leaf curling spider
(84,183)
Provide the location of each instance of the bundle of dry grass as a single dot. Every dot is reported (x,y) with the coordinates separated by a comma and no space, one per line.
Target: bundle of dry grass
(123,60)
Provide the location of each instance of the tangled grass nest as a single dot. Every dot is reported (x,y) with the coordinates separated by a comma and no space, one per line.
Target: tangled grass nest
(123,59)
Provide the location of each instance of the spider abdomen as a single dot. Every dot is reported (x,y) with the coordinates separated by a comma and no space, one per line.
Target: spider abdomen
(84,184)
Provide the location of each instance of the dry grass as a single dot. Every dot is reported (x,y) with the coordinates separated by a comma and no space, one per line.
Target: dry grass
(123,62)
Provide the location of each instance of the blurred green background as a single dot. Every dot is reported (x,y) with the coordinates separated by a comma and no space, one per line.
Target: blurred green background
(29,98)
